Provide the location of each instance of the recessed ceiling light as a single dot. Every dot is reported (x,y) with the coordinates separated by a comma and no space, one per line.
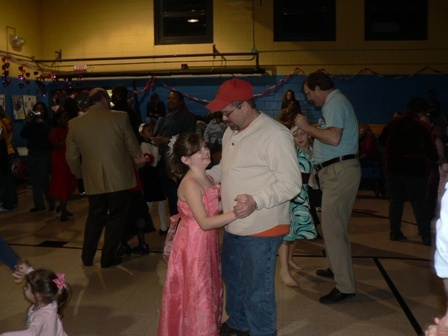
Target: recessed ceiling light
(193,20)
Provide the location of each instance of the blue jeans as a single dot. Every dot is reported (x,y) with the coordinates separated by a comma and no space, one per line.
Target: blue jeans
(7,255)
(248,269)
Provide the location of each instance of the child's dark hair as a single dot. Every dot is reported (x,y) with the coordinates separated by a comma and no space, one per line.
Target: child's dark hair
(186,145)
(42,281)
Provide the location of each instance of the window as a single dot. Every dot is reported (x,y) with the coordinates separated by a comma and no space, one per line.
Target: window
(183,22)
(395,20)
(304,20)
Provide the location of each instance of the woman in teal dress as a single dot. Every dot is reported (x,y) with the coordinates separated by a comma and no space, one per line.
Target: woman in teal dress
(302,225)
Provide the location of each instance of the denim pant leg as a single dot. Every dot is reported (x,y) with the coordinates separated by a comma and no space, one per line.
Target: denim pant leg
(7,255)
(248,265)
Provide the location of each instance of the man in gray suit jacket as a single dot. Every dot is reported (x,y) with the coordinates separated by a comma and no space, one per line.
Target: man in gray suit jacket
(107,144)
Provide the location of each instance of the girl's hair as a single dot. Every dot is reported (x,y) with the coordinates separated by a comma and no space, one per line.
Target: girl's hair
(285,95)
(150,126)
(42,282)
(186,145)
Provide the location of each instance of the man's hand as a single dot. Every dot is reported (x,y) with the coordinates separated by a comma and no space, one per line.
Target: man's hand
(141,160)
(21,269)
(245,205)
(301,122)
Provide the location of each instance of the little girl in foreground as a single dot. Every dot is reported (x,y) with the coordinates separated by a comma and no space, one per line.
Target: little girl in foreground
(48,293)
(192,295)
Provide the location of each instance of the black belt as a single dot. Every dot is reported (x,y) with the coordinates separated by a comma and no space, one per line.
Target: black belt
(322,165)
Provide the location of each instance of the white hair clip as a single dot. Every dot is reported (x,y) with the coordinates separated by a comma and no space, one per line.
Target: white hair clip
(171,143)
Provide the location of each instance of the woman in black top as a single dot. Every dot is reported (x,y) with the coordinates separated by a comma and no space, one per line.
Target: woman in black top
(36,131)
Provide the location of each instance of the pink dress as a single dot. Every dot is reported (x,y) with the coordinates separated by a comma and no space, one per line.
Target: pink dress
(63,183)
(192,295)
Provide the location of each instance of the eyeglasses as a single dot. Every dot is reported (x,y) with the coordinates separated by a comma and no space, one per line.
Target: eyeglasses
(226,114)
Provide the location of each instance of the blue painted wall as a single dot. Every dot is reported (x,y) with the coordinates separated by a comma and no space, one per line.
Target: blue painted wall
(375,98)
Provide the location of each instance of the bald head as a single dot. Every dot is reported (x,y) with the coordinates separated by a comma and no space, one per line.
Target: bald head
(98,96)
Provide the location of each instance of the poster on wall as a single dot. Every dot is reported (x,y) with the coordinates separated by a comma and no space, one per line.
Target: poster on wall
(3,101)
(17,107)
(28,103)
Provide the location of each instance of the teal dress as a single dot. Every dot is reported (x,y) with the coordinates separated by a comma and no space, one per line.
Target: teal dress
(302,224)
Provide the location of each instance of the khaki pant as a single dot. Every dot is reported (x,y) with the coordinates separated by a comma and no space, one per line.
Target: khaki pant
(339,183)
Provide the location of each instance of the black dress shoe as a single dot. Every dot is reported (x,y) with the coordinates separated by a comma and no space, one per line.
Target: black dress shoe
(114,262)
(141,249)
(326,273)
(37,209)
(397,236)
(124,249)
(335,296)
(225,330)
(87,263)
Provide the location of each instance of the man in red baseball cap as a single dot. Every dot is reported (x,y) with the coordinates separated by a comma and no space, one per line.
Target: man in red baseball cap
(259,174)
(231,90)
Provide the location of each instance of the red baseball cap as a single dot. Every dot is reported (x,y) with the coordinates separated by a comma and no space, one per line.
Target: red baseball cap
(231,90)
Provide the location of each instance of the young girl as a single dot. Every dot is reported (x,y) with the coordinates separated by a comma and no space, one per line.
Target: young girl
(48,293)
(63,183)
(192,295)
(302,225)
(152,184)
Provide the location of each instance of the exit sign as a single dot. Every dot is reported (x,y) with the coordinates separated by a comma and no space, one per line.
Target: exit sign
(80,68)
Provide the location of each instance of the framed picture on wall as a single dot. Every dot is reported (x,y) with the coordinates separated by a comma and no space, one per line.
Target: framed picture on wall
(3,101)
(17,107)
(28,103)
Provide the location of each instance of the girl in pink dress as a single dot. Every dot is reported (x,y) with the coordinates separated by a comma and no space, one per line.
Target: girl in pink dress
(192,295)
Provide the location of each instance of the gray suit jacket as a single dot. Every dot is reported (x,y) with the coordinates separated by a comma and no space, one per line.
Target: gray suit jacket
(106,142)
